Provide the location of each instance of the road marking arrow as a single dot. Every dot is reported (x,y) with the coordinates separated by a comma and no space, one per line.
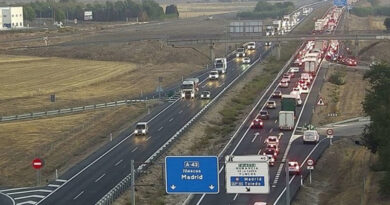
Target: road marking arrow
(173,187)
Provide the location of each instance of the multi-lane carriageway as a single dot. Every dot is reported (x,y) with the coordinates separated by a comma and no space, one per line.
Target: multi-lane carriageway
(251,142)
(91,179)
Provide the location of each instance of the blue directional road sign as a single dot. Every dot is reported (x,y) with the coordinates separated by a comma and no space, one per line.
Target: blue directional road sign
(340,2)
(191,174)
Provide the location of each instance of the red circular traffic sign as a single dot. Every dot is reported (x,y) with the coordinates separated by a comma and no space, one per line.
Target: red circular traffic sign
(310,162)
(37,163)
(329,131)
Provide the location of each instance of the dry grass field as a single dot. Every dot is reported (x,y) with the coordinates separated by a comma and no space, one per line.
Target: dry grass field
(345,100)
(337,181)
(188,10)
(61,141)
(27,82)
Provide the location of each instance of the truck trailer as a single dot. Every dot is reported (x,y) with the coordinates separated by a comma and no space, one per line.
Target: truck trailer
(286,120)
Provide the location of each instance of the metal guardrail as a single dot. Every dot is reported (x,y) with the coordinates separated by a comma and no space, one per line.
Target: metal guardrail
(121,187)
(69,110)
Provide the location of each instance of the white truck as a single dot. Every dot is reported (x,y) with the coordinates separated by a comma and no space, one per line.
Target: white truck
(286,120)
(310,65)
(220,65)
(297,96)
(189,88)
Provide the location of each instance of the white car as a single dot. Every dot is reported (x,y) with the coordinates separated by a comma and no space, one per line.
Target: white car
(297,89)
(283,83)
(251,45)
(240,52)
(246,60)
(293,167)
(214,75)
(141,128)
(272,140)
(271,104)
(310,136)
(205,95)
(305,89)
(271,160)
(294,70)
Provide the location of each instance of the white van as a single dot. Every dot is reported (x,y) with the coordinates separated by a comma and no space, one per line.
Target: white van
(311,136)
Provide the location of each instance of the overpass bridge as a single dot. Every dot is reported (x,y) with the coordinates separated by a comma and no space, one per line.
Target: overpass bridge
(212,39)
(222,38)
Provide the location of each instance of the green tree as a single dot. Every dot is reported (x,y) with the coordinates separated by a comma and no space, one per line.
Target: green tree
(377,105)
(387,23)
(59,14)
(28,13)
(171,9)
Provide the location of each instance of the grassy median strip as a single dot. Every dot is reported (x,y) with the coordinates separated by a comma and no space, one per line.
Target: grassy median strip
(235,109)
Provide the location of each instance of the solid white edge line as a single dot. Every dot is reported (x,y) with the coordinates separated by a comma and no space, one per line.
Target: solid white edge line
(30,191)
(103,155)
(292,178)
(295,130)
(250,113)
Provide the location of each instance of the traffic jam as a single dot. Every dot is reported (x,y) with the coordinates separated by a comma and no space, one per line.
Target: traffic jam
(294,86)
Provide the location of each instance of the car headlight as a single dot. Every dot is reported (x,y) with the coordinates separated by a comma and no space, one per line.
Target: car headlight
(182,95)
(143,131)
(135,131)
(208,96)
(192,95)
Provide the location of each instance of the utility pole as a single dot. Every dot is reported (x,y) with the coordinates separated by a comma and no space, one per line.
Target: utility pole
(132,191)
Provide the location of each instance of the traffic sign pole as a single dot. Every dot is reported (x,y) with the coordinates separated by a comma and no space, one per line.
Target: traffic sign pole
(310,176)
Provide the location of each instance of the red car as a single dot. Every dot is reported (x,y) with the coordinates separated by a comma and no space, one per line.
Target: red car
(270,151)
(257,123)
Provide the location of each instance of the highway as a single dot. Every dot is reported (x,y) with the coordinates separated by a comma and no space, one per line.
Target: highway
(251,142)
(92,178)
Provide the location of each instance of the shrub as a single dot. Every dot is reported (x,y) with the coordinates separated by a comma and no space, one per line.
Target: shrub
(337,78)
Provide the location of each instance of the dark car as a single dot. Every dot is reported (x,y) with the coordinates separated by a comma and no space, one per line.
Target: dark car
(277,94)
(264,115)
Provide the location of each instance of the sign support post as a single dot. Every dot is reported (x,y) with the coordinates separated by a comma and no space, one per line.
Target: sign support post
(132,191)
(310,176)
(329,133)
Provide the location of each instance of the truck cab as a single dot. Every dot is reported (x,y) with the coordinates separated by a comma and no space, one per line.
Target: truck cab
(189,88)
(220,65)
(240,52)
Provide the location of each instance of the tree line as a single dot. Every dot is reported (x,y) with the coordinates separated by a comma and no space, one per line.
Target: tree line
(377,134)
(371,11)
(264,10)
(109,11)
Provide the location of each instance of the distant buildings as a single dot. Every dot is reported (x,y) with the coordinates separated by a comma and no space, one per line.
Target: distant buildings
(11,17)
